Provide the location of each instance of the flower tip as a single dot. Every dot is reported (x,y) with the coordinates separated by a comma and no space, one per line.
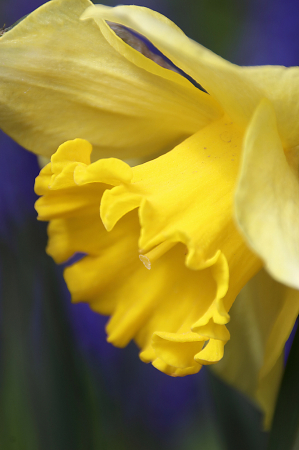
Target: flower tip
(93,10)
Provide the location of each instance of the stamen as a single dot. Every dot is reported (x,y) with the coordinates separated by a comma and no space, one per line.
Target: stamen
(156,253)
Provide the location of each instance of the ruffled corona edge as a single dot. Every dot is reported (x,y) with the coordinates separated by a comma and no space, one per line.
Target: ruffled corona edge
(175,305)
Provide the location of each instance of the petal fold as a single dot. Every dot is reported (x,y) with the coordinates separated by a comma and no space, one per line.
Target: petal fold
(267,198)
(174,207)
(281,86)
(61,79)
(239,90)
(177,350)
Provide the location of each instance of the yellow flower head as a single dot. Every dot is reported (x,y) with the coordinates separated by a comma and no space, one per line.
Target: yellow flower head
(197,260)
(168,243)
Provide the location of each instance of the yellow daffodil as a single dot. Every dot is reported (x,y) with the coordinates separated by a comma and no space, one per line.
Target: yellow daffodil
(171,242)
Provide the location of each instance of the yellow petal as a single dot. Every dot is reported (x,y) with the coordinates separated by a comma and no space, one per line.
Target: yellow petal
(237,94)
(160,300)
(177,350)
(178,200)
(61,79)
(177,196)
(70,168)
(182,302)
(267,198)
(282,325)
(66,202)
(110,261)
(238,89)
(281,87)
(262,318)
(212,353)
(175,371)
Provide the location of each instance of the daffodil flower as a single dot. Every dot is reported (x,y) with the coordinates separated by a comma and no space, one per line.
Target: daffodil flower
(169,243)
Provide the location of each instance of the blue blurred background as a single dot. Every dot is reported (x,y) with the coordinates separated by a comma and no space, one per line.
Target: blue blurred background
(61,385)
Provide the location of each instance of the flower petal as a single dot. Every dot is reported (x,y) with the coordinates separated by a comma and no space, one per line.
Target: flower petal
(177,350)
(61,79)
(238,95)
(177,196)
(59,180)
(183,301)
(186,195)
(239,90)
(267,198)
(281,87)
(262,318)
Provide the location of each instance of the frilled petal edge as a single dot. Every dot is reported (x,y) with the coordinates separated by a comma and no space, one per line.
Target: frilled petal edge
(177,311)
